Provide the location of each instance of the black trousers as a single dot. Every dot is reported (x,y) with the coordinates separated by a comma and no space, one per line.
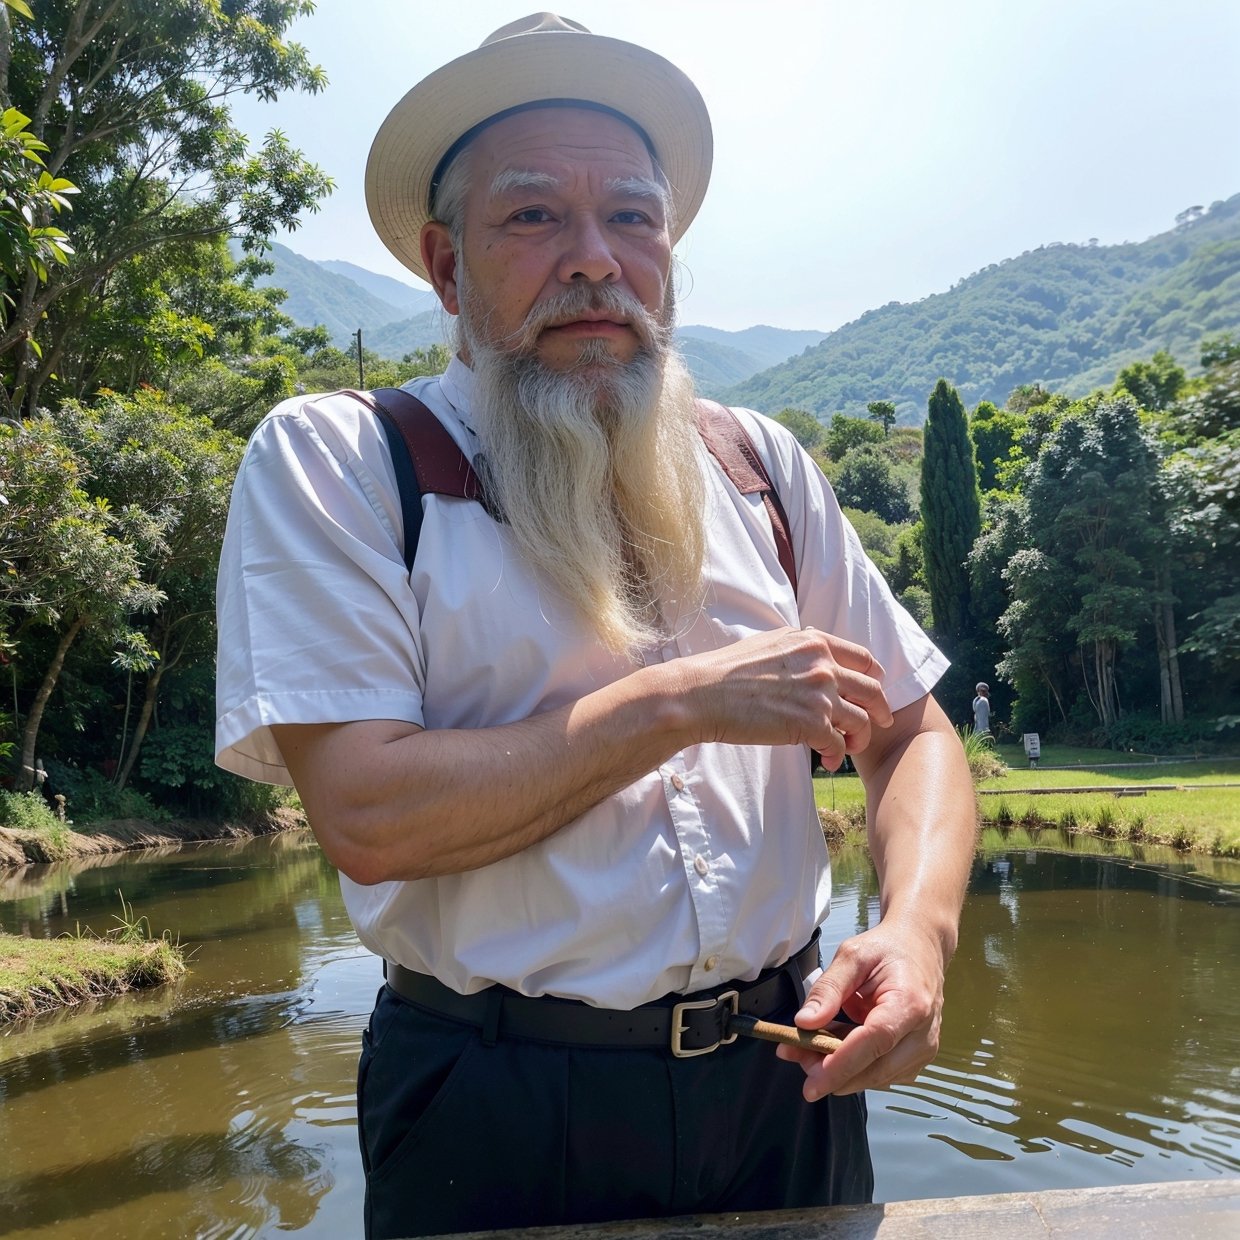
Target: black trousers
(461,1135)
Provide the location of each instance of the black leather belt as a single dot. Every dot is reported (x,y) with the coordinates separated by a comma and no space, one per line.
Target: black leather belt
(686,1025)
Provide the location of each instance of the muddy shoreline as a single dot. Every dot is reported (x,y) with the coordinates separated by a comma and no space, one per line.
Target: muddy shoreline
(98,839)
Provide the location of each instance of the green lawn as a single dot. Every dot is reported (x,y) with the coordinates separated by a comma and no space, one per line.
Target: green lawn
(1202,817)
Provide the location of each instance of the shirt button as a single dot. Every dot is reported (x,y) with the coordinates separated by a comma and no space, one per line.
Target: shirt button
(711,962)
(678,783)
(700,864)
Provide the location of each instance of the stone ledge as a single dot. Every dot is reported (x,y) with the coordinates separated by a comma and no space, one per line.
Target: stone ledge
(1185,1210)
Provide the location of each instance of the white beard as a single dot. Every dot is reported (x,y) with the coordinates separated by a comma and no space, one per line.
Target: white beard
(597,469)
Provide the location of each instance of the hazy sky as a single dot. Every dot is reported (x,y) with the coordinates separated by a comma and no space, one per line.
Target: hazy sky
(866,151)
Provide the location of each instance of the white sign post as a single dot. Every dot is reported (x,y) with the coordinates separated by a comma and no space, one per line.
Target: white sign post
(1033,747)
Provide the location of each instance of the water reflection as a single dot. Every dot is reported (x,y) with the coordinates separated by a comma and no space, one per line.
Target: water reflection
(1091,1038)
(1092,1028)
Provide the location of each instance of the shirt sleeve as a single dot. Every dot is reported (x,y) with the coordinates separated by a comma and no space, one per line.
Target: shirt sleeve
(839,590)
(317,620)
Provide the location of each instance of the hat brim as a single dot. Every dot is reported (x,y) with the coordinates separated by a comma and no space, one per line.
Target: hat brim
(522,70)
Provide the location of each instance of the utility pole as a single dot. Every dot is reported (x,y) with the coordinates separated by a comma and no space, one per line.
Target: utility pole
(361,377)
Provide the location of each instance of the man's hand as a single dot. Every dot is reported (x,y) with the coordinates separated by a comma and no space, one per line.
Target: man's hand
(889,981)
(922,828)
(789,687)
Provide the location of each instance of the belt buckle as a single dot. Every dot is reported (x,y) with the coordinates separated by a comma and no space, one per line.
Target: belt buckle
(701,1005)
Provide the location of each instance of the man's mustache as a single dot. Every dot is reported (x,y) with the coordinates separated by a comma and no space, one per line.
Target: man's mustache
(581,300)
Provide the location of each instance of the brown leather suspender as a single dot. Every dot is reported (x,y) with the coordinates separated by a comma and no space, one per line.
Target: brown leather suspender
(428,460)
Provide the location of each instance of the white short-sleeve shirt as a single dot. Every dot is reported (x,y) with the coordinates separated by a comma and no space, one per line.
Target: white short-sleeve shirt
(707,869)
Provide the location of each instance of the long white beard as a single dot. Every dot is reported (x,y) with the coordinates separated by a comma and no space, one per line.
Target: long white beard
(596,469)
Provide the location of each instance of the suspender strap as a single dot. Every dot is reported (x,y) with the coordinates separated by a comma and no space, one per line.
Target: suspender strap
(426,458)
(729,443)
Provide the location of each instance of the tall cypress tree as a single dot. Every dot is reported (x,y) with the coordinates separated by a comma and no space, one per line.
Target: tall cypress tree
(951,512)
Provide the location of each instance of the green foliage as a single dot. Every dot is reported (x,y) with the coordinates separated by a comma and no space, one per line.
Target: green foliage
(28,811)
(1064,316)
(91,796)
(1145,733)
(883,412)
(1079,583)
(950,511)
(979,752)
(996,435)
(137,116)
(29,197)
(866,480)
(916,601)
(1220,350)
(845,434)
(1154,384)
(808,430)
(877,536)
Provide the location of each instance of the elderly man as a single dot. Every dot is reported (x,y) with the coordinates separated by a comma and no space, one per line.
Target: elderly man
(562,763)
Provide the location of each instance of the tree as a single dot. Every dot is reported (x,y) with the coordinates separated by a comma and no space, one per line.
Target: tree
(131,98)
(846,433)
(807,429)
(149,456)
(1027,396)
(1155,384)
(884,413)
(996,433)
(72,564)
(867,481)
(1088,532)
(951,514)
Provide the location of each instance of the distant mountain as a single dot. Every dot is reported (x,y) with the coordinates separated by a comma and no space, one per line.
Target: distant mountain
(717,358)
(408,300)
(716,366)
(418,332)
(1066,316)
(316,295)
(768,345)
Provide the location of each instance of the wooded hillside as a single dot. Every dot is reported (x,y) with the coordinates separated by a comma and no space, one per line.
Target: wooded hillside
(1066,316)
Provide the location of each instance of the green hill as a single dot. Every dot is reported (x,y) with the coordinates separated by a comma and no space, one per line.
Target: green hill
(1067,316)
(319,296)
(407,299)
(394,340)
(767,345)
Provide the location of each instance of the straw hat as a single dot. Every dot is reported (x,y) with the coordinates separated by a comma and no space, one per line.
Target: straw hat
(536,59)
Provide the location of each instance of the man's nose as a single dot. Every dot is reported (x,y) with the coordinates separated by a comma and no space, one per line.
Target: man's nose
(588,254)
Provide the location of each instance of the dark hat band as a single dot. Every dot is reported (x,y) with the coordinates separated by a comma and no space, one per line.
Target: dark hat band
(441,168)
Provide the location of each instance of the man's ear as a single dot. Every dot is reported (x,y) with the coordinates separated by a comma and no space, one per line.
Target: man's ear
(439,259)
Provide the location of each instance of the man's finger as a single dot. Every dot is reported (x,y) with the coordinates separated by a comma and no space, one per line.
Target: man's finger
(827,995)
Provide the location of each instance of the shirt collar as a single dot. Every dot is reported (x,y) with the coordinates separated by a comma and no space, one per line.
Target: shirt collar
(458,384)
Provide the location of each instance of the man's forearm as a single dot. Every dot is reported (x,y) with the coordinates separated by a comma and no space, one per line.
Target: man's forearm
(421,803)
(922,823)
(388,800)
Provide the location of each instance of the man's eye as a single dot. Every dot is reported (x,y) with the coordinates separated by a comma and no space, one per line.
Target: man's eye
(631,217)
(531,215)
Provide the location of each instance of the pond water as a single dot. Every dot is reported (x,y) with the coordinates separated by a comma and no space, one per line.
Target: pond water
(1092,1037)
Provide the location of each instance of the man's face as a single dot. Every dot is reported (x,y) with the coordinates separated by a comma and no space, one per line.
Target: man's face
(560,198)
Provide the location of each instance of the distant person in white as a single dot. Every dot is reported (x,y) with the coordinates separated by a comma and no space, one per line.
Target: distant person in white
(981,709)
(563,765)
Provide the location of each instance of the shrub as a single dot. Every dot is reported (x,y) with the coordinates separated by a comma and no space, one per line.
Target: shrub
(979,750)
(28,811)
(1145,733)
(92,797)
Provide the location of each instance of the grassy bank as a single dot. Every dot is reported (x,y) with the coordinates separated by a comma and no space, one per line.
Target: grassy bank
(37,975)
(30,833)
(1198,813)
